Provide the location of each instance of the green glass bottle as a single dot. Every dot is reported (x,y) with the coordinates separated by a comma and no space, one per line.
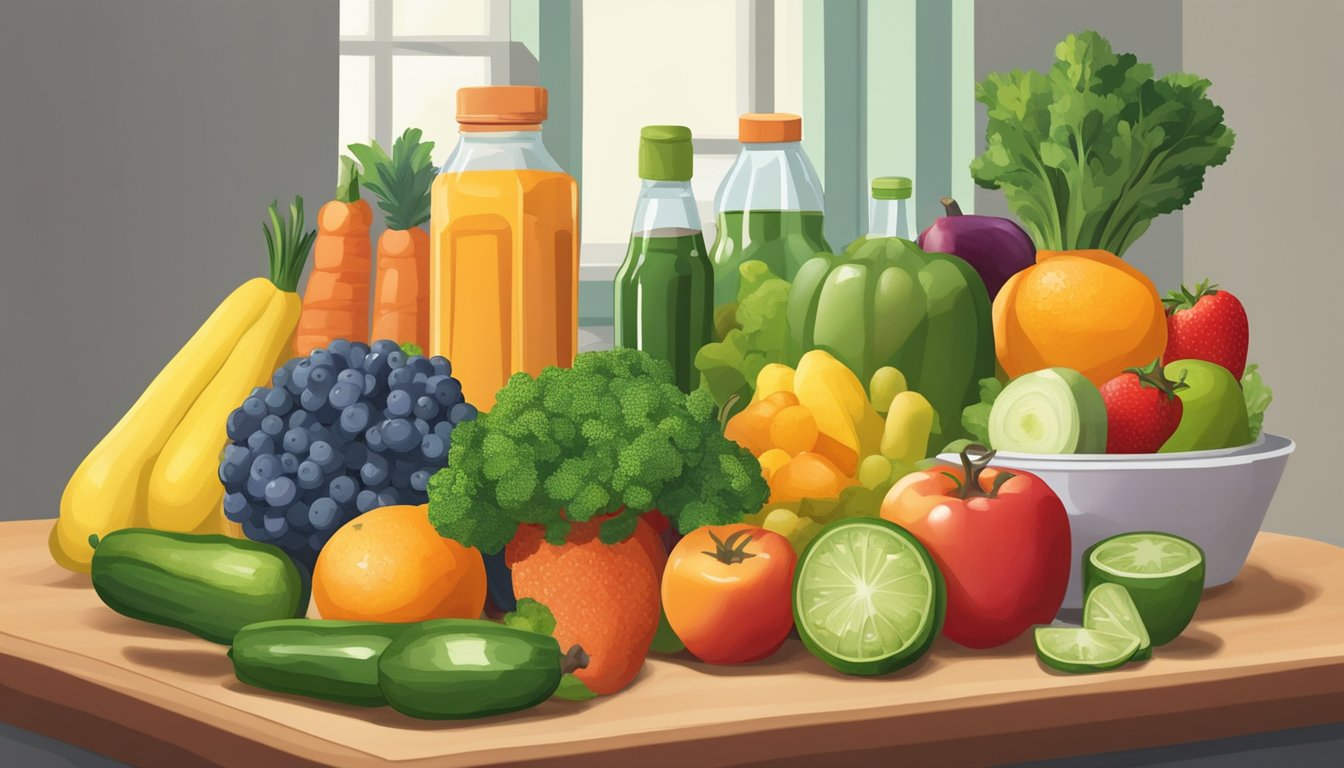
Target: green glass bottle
(665,288)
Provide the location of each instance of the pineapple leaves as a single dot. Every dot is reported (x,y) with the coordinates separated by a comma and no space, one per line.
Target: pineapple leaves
(400,181)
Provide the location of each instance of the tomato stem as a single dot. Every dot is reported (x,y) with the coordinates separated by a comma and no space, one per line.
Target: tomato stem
(731,550)
(575,658)
(974,467)
(1155,375)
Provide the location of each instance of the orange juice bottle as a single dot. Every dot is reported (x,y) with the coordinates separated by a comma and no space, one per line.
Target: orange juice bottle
(504,246)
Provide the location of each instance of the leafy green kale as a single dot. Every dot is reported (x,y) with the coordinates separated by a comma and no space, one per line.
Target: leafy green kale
(975,417)
(760,336)
(611,436)
(1257,396)
(1090,153)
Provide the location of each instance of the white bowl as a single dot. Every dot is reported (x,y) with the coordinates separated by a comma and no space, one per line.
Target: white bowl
(1217,499)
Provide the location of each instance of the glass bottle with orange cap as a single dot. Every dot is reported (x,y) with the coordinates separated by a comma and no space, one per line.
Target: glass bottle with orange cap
(504,245)
(769,206)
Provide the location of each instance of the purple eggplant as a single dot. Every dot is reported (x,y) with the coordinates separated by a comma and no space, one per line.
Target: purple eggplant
(997,248)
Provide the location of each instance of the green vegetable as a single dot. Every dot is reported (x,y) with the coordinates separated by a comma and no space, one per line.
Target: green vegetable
(411,349)
(759,335)
(533,616)
(210,585)
(401,181)
(975,417)
(456,669)
(611,436)
(886,302)
(1053,410)
(1090,153)
(332,660)
(1257,397)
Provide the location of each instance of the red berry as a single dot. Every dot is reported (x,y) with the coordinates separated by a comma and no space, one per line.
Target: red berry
(1207,324)
(1142,409)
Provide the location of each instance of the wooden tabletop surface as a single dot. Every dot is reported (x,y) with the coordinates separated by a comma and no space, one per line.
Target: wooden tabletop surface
(1265,652)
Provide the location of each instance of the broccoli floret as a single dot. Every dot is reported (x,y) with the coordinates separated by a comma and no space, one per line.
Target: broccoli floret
(612,437)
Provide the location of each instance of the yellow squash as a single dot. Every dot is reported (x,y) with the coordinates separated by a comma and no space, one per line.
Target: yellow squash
(107,491)
(184,487)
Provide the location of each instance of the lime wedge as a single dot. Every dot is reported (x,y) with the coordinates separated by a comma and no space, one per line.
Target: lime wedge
(1109,608)
(1083,650)
(1163,574)
(867,598)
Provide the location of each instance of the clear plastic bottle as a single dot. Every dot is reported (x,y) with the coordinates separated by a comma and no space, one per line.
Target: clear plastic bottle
(769,206)
(888,214)
(504,246)
(665,290)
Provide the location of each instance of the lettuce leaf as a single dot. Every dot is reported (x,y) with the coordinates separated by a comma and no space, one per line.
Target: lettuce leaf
(760,336)
(1258,397)
(1089,153)
(975,417)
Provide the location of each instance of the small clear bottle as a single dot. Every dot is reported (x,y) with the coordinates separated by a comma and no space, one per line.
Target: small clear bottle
(664,292)
(888,214)
(769,206)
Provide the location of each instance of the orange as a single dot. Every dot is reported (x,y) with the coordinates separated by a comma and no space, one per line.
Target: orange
(1085,310)
(389,564)
(808,476)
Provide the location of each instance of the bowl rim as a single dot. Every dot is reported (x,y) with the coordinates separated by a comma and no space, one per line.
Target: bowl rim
(1267,446)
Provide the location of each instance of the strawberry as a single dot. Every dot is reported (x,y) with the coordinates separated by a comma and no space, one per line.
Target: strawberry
(1207,324)
(1142,409)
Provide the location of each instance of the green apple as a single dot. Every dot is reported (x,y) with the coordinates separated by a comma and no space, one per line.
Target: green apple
(1213,411)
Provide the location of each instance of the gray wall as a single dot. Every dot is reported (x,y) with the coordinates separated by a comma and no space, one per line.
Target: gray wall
(1022,34)
(141,141)
(1264,224)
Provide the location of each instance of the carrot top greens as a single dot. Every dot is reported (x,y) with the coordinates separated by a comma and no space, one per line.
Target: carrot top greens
(401,180)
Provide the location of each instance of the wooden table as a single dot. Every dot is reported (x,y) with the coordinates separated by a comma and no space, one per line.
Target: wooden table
(1265,652)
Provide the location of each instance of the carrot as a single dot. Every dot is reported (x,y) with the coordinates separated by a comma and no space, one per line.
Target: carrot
(401,283)
(336,301)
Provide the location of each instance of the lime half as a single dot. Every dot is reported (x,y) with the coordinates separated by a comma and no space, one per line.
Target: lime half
(867,598)
(1083,650)
(1164,575)
(1110,609)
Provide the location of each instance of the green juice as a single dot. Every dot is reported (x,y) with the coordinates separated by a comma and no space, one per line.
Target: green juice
(664,299)
(784,240)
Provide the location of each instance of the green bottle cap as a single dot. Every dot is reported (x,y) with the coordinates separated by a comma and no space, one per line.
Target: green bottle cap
(891,188)
(665,153)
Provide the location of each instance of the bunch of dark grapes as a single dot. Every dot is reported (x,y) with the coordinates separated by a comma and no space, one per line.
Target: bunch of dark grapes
(342,431)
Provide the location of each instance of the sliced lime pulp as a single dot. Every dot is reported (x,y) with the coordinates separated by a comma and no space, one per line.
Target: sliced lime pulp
(867,598)
(1083,650)
(1110,609)
(1163,574)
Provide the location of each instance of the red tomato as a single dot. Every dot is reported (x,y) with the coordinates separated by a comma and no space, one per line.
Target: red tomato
(1001,541)
(727,592)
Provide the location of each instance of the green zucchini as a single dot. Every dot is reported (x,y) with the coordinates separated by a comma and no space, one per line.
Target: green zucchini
(325,659)
(453,669)
(209,585)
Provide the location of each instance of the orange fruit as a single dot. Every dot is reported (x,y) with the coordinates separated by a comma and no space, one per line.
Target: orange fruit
(1085,310)
(605,597)
(794,430)
(808,476)
(389,564)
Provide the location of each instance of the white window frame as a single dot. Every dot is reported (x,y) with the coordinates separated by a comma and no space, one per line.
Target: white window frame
(382,44)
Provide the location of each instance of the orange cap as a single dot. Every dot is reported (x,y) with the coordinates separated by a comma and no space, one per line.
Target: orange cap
(501,108)
(756,128)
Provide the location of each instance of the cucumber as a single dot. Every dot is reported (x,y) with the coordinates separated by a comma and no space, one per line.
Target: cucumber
(1053,410)
(324,659)
(209,585)
(454,669)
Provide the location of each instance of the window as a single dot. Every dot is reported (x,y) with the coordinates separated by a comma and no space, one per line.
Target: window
(872,80)
(402,62)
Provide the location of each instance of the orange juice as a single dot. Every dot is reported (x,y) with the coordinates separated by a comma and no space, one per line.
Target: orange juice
(504,246)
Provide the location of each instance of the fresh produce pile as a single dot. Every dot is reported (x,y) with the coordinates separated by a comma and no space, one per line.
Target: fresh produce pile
(613,514)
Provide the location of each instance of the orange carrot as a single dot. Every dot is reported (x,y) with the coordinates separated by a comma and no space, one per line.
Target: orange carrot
(401,298)
(401,284)
(336,301)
